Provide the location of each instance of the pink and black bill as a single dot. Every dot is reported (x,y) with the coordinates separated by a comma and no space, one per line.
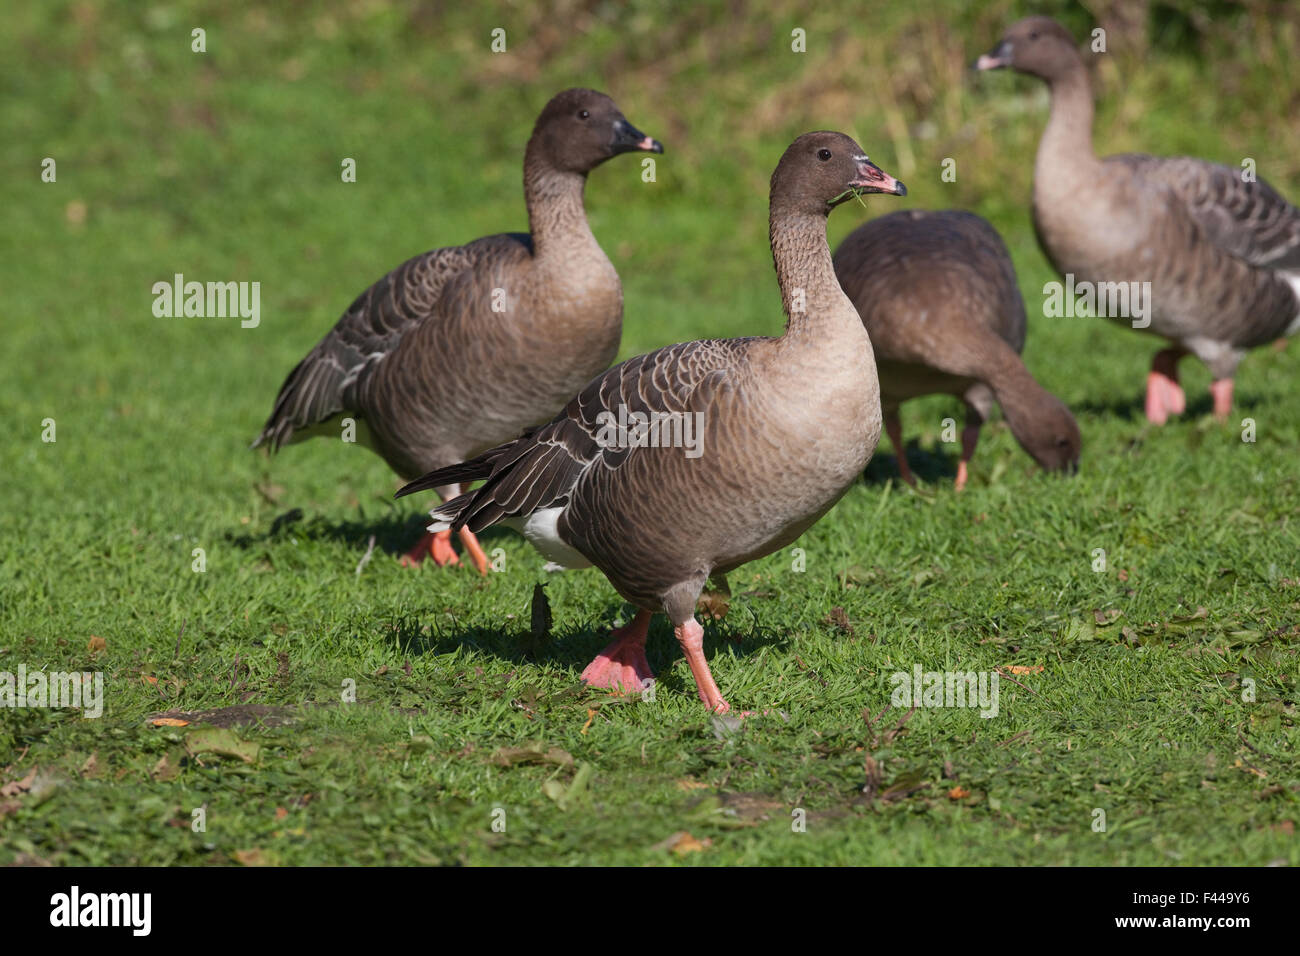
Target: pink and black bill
(871,178)
(629,139)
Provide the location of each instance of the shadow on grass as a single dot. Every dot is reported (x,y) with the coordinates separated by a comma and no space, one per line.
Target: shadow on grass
(394,534)
(1133,408)
(421,632)
(573,648)
(927,466)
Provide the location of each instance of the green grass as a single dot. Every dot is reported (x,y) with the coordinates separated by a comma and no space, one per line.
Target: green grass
(225,166)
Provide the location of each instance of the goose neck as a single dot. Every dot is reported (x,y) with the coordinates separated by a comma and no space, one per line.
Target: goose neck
(557,217)
(1066,145)
(810,293)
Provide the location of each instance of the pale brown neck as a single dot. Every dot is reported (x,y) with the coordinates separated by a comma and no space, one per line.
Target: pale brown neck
(810,293)
(1065,151)
(557,217)
(1018,393)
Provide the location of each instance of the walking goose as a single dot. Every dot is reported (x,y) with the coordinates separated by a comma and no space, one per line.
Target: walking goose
(1222,255)
(781,428)
(462,348)
(938,295)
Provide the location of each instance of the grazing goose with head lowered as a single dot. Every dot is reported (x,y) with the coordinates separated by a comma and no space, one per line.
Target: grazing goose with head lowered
(1222,256)
(937,293)
(462,348)
(779,429)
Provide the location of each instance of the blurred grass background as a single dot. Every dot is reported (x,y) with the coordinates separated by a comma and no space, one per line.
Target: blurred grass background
(225,166)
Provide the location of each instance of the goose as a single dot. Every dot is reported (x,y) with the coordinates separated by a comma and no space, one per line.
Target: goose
(938,295)
(464,347)
(780,428)
(1222,255)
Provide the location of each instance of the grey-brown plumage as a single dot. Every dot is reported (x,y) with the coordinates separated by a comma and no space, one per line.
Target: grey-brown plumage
(1221,254)
(937,292)
(462,348)
(787,425)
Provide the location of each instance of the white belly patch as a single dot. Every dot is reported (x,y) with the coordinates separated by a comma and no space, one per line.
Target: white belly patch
(541,531)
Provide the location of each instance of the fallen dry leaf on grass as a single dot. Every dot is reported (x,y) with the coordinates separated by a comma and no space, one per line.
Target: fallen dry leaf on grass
(1023,669)
(714,604)
(165,770)
(255,857)
(170,722)
(96,644)
(221,742)
(839,620)
(682,843)
(958,793)
(535,752)
(15,787)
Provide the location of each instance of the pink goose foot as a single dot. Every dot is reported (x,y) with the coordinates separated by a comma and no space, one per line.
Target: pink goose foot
(1221,390)
(436,546)
(622,665)
(1164,395)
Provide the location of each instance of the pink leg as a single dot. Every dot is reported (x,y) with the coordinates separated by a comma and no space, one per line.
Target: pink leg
(1164,394)
(1221,390)
(623,665)
(894,429)
(436,546)
(475,550)
(970,436)
(691,636)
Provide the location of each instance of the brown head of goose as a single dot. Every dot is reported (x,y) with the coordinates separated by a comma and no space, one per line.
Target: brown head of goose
(938,295)
(1215,258)
(775,430)
(464,347)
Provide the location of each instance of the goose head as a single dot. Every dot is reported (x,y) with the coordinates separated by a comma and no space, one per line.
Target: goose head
(1038,46)
(823,169)
(1050,435)
(580,129)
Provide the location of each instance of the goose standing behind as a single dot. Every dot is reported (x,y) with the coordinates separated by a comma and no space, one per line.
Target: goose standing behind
(462,348)
(787,425)
(1222,255)
(938,295)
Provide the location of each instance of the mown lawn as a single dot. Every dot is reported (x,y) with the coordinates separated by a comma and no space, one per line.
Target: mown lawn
(470,739)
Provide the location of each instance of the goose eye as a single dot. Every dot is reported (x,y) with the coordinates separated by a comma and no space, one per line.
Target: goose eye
(823,154)
(583,114)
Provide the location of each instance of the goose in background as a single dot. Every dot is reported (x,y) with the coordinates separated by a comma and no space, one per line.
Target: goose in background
(465,347)
(784,426)
(1222,255)
(938,295)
